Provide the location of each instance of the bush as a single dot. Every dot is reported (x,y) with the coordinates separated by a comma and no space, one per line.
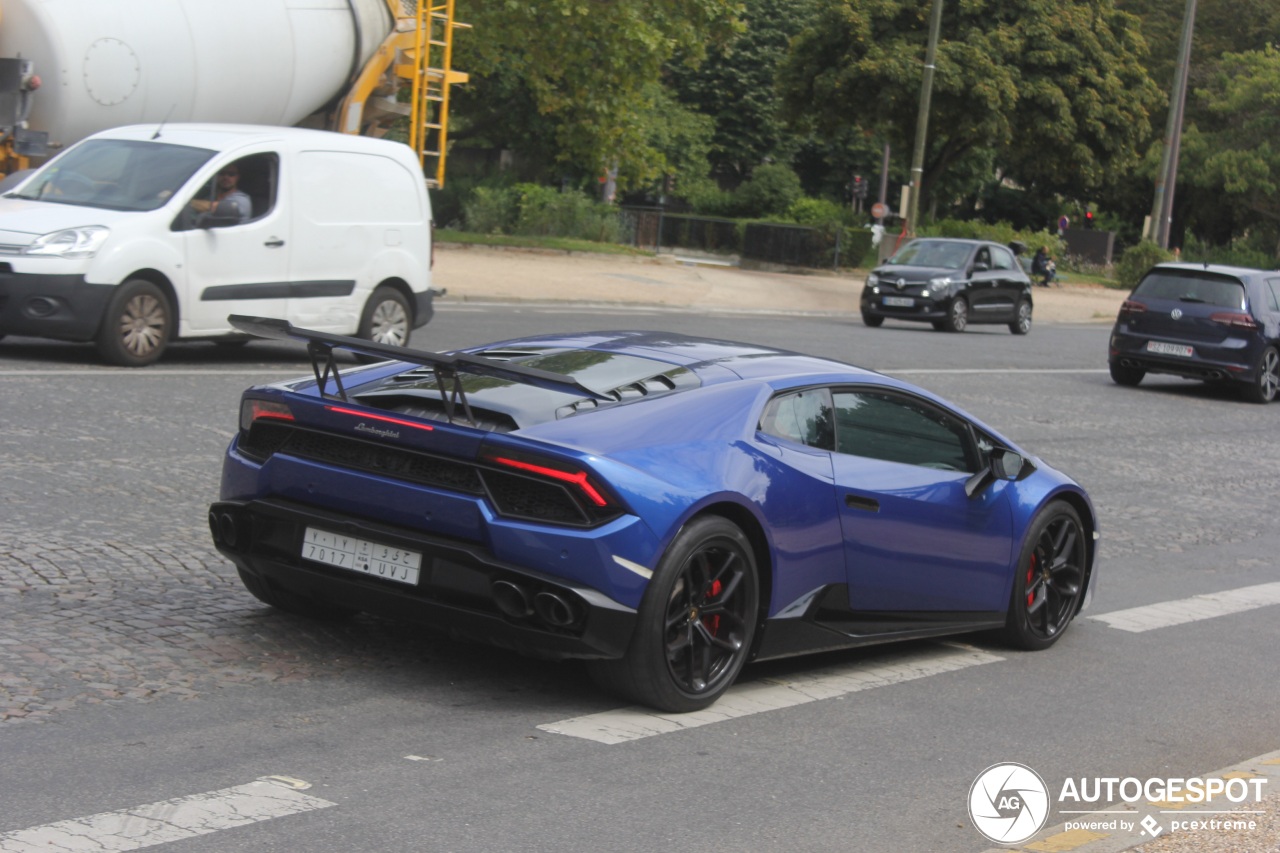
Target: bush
(1241,256)
(1137,259)
(491,210)
(770,191)
(817,211)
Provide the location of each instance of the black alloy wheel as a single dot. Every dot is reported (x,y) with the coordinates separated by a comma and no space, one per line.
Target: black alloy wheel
(1266,381)
(1049,579)
(957,319)
(696,622)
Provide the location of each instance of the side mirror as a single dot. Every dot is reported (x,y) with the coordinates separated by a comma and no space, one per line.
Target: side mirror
(1004,465)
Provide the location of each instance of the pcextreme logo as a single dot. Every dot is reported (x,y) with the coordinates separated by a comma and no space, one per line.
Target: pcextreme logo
(1008,803)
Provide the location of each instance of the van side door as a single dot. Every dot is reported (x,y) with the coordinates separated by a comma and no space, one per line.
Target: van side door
(234,264)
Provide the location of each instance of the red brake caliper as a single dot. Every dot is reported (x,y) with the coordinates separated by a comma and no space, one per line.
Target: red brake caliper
(713,622)
(1031,571)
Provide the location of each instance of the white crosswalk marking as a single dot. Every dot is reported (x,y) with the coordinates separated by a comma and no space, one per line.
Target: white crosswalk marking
(626,724)
(169,820)
(1169,613)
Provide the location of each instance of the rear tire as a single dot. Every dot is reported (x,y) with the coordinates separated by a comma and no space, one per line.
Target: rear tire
(1022,323)
(1127,376)
(1266,382)
(387,318)
(136,326)
(696,622)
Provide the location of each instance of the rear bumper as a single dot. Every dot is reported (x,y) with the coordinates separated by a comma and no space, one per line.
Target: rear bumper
(43,305)
(456,589)
(1210,363)
(424,306)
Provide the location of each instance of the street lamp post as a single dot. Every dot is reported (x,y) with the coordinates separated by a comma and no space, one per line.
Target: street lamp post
(1167,179)
(922,119)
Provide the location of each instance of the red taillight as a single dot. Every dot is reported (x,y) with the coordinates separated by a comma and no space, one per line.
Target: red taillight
(572,476)
(1132,306)
(255,410)
(384,418)
(1235,319)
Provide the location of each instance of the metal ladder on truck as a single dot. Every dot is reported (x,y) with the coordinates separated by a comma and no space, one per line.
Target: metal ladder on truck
(418,50)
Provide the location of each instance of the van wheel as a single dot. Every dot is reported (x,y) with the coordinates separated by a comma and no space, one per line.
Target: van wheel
(386,318)
(136,326)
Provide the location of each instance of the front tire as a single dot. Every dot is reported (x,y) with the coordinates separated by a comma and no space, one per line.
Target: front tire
(1049,579)
(696,622)
(871,320)
(387,318)
(136,326)
(1266,382)
(957,319)
(1022,323)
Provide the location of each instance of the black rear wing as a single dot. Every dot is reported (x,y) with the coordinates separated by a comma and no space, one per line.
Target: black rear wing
(445,366)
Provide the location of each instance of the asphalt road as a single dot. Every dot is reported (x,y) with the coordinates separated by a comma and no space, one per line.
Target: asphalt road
(135,670)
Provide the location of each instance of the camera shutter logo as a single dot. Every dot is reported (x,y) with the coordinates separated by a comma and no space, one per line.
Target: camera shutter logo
(1008,803)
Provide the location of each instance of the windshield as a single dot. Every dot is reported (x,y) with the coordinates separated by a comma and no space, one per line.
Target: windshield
(1194,287)
(117,174)
(933,253)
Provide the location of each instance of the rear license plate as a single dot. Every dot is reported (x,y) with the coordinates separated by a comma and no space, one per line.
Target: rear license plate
(1161,348)
(899,301)
(361,555)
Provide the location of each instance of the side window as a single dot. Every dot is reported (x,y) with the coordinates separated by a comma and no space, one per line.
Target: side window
(984,257)
(1273,285)
(1003,259)
(246,187)
(801,416)
(896,428)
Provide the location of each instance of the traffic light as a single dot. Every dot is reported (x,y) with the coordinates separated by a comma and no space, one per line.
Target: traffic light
(859,187)
(1088,219)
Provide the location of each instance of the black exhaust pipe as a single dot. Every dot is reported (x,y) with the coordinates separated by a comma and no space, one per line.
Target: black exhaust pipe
(555,610)
(512,599)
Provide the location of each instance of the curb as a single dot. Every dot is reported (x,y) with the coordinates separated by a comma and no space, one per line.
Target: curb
(1080,840)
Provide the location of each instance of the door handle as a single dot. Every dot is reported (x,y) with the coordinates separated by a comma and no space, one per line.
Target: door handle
(859,502)
(274,243)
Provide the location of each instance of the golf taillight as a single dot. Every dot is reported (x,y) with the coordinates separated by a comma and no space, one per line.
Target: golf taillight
(1132,306)
(1234,319)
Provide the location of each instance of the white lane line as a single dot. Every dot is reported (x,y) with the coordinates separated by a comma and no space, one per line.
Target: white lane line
(170,820)
(1169,613)
(627,724)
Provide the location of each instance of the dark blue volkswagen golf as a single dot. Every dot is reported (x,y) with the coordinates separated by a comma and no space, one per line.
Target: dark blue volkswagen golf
(668,508)
(1201,321)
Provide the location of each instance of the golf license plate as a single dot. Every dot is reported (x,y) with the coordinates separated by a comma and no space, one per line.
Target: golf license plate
(361,555)
(899,301)
(1161,348)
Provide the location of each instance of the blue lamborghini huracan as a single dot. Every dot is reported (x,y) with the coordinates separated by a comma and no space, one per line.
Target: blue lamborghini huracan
(668,508)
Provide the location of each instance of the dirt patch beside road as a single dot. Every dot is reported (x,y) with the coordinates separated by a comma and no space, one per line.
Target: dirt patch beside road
(480,273)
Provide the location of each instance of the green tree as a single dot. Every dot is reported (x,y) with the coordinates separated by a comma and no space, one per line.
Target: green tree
(568,81)
(1056,88)
(1236,155)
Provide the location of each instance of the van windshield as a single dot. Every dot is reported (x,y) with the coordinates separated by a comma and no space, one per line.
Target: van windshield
(117,174)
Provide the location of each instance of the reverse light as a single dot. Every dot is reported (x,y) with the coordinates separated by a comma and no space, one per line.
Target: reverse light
(1235,319)
(81,242)
(252,410)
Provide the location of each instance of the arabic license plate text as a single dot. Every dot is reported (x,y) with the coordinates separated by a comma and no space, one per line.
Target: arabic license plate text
(1170,349)
(361,555)
(899,301)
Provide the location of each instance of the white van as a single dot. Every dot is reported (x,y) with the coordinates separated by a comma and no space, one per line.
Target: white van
(137,236)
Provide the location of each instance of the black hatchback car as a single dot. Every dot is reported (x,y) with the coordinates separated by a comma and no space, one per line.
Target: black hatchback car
(951,284)
(1201,321)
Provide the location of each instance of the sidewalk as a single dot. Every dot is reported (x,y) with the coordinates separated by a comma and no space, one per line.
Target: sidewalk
(473,273)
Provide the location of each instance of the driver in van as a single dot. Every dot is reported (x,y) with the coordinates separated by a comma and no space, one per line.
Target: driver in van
(229,195)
